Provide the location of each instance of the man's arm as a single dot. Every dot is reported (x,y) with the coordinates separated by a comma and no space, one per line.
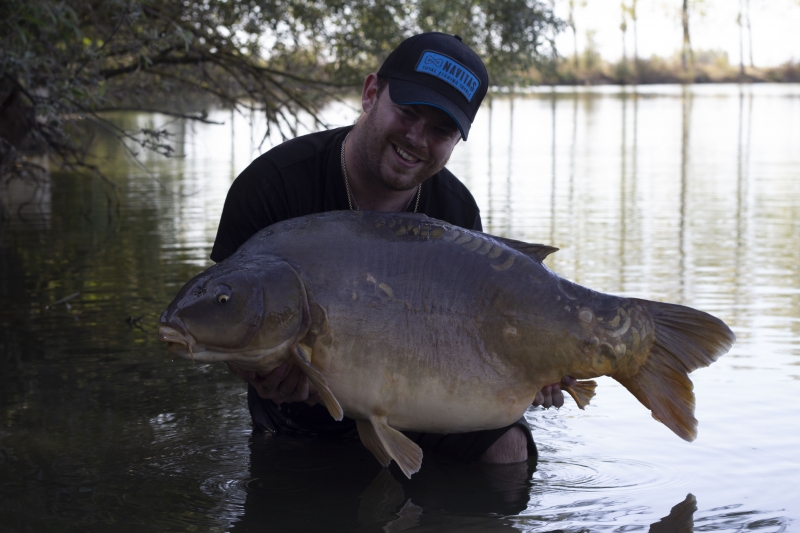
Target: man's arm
(284,384)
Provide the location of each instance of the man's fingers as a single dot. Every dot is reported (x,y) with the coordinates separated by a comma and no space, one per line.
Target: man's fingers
(240,372)
(547,403)
(558,396)
(286,383)
(539,400)
(267,386)
(286,389)
(301,392)
(313,399)
(274,378)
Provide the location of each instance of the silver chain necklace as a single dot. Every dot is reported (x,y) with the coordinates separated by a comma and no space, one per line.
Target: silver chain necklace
(351,200)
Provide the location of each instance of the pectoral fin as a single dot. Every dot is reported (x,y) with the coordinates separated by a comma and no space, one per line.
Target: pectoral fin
(386,443)
(300,357)
(582,392)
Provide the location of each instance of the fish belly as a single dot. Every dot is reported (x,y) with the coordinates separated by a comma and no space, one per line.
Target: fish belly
(426,372)
(431,404)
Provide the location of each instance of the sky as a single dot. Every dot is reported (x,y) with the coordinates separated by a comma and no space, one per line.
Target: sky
(775,25)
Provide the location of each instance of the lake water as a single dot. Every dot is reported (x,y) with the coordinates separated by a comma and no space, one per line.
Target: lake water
(683,195)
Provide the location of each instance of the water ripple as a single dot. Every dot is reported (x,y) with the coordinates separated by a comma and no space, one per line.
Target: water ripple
(603,474)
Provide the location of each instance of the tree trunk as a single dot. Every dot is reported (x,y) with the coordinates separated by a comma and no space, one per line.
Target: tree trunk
(624,28)
(686,54)
(635,32)
(635,40)
(575,44)
(749,32)
(740,21)
(571,23)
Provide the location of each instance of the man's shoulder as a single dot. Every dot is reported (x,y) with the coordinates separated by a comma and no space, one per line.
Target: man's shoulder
(451,188)
(303,149)
(450,200)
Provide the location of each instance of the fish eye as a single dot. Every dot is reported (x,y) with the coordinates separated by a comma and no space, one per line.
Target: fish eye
(223,293)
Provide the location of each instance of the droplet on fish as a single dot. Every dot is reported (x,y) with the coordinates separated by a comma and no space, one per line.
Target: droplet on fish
(510,332)
(386,289)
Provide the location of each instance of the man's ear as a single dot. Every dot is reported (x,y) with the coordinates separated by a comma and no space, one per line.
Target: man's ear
(369,94)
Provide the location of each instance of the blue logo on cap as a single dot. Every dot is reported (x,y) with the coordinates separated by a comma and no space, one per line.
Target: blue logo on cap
(450,71)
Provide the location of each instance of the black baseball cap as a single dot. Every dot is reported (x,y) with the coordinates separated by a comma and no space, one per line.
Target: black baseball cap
(439,70)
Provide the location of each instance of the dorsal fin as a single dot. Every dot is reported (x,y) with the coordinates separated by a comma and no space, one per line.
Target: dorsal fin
(537,252)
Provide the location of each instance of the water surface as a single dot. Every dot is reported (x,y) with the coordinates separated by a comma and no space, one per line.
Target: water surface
(683,195)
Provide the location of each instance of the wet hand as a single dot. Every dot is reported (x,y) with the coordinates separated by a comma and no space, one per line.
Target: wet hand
(551,395)
(286,383)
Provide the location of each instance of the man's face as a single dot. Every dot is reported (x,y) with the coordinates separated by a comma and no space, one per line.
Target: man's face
(403,145)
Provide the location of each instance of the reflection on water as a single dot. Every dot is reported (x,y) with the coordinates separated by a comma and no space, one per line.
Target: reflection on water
(343,488)
(689,195)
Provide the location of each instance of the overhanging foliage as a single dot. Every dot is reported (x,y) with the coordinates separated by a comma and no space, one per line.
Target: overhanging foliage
(64,64)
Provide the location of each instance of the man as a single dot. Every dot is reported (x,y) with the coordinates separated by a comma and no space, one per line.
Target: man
(416,108)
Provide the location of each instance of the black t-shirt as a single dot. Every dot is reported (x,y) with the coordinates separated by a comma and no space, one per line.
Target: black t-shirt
(303,176)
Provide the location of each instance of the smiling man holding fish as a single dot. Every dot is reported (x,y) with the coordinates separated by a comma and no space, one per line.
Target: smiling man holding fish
(391,160)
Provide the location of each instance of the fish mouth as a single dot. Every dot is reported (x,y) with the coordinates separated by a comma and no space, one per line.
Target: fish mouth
(180,342)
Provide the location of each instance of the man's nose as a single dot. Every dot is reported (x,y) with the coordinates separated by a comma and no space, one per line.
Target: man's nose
(416,132)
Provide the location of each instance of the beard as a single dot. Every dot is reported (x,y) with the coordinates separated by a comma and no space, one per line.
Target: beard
(372,157)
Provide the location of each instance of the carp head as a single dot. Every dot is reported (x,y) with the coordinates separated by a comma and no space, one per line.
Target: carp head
(249,311)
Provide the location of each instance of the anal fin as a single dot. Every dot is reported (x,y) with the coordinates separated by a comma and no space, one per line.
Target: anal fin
(371,442)
(300,357)
(390,444)
(582,392)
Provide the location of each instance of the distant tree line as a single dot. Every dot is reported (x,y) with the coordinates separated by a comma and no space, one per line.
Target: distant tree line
(687,12)
(66,64)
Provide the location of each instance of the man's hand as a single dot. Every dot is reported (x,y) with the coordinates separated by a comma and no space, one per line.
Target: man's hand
(551,395)
(284,384)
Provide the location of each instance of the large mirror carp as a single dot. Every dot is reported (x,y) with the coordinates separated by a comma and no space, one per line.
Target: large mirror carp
(404,322)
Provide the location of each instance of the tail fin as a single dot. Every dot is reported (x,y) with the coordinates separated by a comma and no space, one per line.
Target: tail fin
(685,339)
